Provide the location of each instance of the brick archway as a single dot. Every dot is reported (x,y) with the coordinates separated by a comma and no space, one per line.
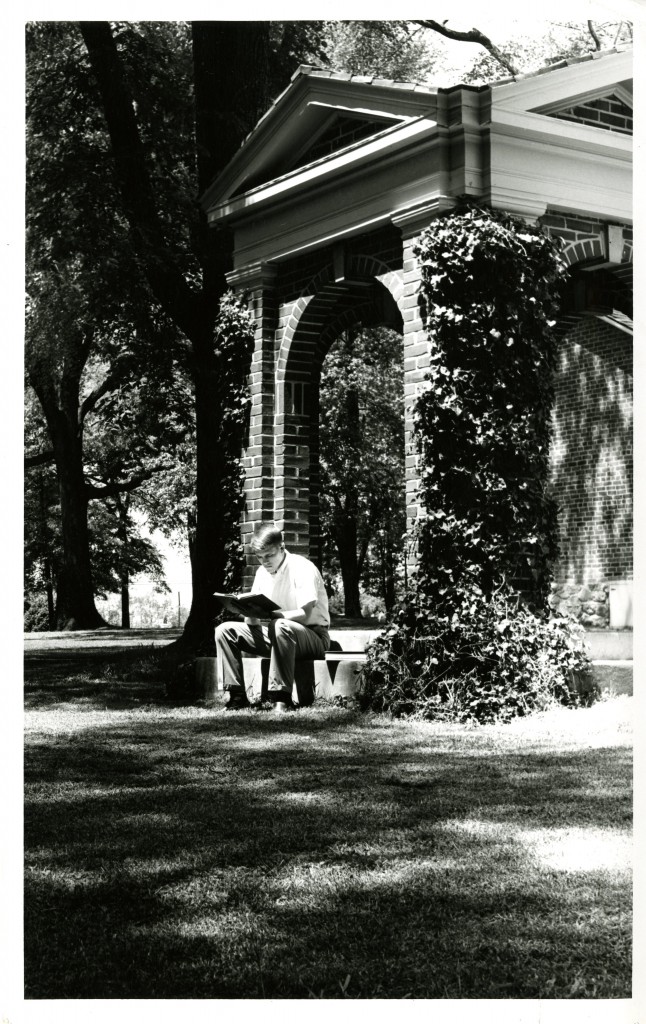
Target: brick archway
(369,292)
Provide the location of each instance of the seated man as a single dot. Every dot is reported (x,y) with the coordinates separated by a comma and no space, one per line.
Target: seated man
(298,629)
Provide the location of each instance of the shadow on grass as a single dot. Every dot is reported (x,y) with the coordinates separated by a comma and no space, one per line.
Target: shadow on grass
(102,678)
(250,857)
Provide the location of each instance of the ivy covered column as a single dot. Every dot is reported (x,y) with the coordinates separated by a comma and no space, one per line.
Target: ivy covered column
(483,418)
(257,284)
(417,351)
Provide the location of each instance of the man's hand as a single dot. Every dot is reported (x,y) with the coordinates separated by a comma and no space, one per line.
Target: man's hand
(295,614)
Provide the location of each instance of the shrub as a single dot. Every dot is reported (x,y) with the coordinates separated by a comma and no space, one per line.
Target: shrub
(486,659)
(36,615)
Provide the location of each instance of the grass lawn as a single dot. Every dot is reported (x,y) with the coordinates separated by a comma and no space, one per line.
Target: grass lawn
(193,853)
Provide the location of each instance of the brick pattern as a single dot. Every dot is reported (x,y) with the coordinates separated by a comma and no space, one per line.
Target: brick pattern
(258,456)
(608,112)
(299,275)
(343,132)
(300,314)
(416,362)
(591,467)
(311,308)
(585,237)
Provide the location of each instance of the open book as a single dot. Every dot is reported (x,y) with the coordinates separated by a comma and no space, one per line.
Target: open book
(255,606)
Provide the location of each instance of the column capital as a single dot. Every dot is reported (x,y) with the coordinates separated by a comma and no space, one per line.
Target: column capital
(253,276)
(414,219)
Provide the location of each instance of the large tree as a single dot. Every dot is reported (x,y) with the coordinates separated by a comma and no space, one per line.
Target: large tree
(128,123)
(91,329)
(231,75)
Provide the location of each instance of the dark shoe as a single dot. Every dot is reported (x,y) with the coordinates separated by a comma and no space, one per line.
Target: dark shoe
(280,700)
(234,701)
(279,707)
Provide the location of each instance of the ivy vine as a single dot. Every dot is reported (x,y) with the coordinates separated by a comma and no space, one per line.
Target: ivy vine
(460,644)
(483,418)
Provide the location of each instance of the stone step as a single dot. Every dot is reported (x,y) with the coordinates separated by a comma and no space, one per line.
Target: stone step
(336,676)
(609,644)
(352,639)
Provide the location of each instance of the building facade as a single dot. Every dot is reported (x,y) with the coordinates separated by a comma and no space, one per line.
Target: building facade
(325,200)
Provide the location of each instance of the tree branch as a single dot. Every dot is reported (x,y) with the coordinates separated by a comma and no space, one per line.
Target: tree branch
(474,35)
(597,41)
(121,486)
(41,459)
(91,400)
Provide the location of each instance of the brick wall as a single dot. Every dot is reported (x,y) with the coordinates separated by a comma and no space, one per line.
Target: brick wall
(416,362)
(591,473)
(607,112)
(586,238)
(297,314)
(309,302)
(343,132)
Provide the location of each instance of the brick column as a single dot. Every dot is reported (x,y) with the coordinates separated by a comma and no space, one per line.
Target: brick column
(296,422)
(256,284)
(417,348)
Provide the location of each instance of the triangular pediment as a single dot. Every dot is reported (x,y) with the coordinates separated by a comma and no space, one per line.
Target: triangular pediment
(320,115)
(593,90)
(609,111)
(330,130)
(338,130)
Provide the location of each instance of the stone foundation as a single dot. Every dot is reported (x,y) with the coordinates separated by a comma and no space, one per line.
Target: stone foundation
(587,603)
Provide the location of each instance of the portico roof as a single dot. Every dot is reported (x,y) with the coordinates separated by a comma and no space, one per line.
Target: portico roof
(338,152)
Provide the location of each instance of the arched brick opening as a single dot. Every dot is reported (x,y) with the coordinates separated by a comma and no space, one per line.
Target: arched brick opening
(369,293)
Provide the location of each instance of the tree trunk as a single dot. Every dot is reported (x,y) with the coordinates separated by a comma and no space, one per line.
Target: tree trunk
(125,601)
(346,544)
(389,576)
(346,534)
(214,454)
(231,68)
(51,613)
(122,533)
(75,607)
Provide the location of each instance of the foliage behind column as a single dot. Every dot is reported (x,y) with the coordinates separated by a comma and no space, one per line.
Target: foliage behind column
(232,348)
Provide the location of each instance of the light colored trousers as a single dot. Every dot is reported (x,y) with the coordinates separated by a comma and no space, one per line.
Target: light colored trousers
(283,640)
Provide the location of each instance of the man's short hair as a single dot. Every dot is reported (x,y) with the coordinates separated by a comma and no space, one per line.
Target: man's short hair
(265,535)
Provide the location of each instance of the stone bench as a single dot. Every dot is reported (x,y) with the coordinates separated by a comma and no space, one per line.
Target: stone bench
(335,675)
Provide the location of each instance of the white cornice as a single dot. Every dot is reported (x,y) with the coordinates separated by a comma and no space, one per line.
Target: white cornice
(381,146)
(541,128)
(296,110)
(320,220)
(575,182)
(559,84)
(253,275)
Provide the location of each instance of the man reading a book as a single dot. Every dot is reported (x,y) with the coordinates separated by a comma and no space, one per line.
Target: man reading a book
(298,628)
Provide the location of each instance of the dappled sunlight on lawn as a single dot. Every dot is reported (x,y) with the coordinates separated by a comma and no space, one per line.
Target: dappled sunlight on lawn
(557,849)
(198,854)
(577,849)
